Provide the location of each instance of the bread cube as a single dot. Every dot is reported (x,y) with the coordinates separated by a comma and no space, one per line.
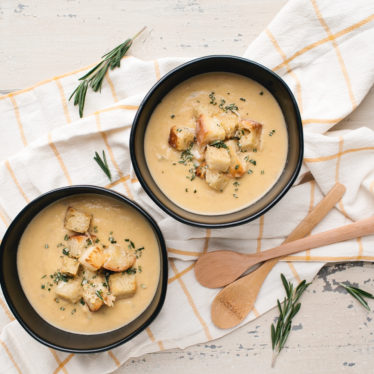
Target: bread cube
(118,258)
(238,167)
(76,220)
(208,130)
(217,158)
(122,285)
(77,244)
(249,132)
(70,290)
(96,291)
(92,258)
(230,122)
(181,138)
(69,265)
(216,180)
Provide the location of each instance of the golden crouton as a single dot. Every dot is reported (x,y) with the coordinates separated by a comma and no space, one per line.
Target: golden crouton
(208,130)
(122,284)
(118,258)
(70,290)
(229,121)
(76,220)
(181,138)
(77,244)
(249,133)
(238,167)
(217,158)
(69,265)
(92,258)
(216,180)
(96,291)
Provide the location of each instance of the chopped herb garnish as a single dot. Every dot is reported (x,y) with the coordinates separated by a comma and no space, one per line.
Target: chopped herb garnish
(262,171)
(57,277)
(65,252)
(140,269)
(194,191)
(66,237)
(223,102)
(186,189)
(130,271)
(271,133)
(46,246)
(82,301)
(249,171)
(254,150)
(186,156)
(62,308)
(142,285)
(236,167)
(218,144)
(95,229)
(236,183)
(89,241)
(261,93)
(231,107)
(242,99)
(43,286)
(73,311)
(212,99)
(172,116)
(60,245)
(235,195)
(253,162)
(57,300)
(112,240)
(105,284)
(44,276)
(99,294)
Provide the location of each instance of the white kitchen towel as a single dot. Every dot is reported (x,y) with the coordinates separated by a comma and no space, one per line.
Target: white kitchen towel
(325,52)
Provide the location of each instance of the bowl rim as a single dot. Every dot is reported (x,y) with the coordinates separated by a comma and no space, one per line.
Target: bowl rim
(163,281)
(225,224)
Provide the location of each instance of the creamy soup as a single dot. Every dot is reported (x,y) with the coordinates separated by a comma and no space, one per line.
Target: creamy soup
(216,143)
(57,275)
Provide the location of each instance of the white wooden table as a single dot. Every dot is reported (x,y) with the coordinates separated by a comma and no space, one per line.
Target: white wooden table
(43,38)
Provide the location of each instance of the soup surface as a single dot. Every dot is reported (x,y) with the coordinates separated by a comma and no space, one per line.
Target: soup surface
(46,242)
(239,106)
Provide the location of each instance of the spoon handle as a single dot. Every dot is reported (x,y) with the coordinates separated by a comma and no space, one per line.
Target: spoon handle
(304,228)
(353,230)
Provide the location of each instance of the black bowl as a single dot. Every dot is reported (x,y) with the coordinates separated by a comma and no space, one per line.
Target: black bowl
(241,66)
(35,325)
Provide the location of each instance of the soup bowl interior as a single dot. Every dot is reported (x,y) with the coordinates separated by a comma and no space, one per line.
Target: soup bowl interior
(230,64)
(31,320)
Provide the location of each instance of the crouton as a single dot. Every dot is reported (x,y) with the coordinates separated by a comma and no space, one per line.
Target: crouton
(68,265)
(217,158)
(92,258)
(76,220)
(181,138)
(70,290)
(216,180)
(238,166)
(96,291)
(201,170)
(208,130)
(249,133)
(122,285)
(230,122)
(77,244)
(118,258)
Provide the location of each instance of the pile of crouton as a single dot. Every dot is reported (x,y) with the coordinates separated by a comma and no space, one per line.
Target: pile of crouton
(220,145)
(86,265)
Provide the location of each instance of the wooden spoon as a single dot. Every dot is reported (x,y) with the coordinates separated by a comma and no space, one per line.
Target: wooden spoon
(235,301)
(219,268)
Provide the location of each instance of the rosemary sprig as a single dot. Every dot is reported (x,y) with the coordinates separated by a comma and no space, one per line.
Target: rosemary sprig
(103,163)
(95,77)
(358,294)
(291,306)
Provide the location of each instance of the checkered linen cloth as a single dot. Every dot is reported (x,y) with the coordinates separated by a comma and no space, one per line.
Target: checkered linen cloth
(324,50)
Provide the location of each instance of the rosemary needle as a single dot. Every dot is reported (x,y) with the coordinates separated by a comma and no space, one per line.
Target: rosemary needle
(103,163)
(291,306)
(95,77)
(358,294)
